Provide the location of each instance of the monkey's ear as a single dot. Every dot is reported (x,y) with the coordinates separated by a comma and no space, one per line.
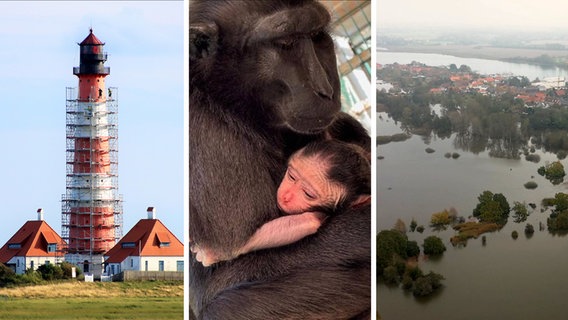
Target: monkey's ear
(202,40)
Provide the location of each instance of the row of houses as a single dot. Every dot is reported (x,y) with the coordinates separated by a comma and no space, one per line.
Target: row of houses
(148,246)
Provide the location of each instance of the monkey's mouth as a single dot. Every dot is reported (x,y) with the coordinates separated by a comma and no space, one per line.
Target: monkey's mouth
(309,125)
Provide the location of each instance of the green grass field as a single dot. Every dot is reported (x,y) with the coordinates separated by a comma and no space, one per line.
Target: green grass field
(79,300)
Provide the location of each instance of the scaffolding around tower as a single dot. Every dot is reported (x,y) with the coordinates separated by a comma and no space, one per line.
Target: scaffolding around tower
(91,206)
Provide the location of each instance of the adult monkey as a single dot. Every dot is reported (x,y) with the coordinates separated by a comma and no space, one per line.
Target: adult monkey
(263,83)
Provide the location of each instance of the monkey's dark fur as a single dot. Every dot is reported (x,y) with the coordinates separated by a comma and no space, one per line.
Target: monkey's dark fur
(263,83)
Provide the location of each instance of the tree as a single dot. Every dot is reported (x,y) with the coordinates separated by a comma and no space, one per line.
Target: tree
(520,212)
(427,284)
(443,218)
(560,202)
(67,269)
(412,249)
(433,245)
(50,272)
(558,222)
(7,276)
(503,204)
(529,230)
(390,275)
(400,226)
(413,225)
(492,208)
(554,172)
(391,245)
(465,68)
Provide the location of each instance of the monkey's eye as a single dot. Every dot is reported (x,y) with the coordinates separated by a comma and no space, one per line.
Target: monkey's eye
(286,43)
(309,195)
(290,176)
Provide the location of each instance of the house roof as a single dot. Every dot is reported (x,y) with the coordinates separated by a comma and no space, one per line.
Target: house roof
(147,238)
(31,240)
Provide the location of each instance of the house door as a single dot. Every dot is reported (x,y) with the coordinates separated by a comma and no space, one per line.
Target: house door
(86,266)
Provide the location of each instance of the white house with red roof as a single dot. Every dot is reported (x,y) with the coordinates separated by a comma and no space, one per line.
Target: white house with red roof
(34,244)
(148,246)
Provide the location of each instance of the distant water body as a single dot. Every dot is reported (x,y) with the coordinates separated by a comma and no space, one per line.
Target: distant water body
(482,66)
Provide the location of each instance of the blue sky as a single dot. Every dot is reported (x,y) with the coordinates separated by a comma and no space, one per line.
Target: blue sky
(144,42)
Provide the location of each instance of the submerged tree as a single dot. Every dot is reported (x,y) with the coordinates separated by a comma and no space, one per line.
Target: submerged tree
(554,172)
(413,225)
(433,246)
(521,212)
(427,284)
(492,208)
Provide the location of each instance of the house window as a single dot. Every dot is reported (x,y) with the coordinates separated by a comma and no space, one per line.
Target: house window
(131,262)
(129,245)
(180,265)
(47,262)
(146,265)
(52,247)
(32,265)
(164,244)
(14,246)
(161,265)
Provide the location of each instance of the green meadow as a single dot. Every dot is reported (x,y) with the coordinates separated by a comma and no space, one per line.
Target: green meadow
(95,300)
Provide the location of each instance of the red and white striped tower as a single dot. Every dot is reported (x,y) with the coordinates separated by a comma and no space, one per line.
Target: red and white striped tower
(91,206)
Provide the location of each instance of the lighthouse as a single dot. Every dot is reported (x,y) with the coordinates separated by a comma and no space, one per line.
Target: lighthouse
(91,206)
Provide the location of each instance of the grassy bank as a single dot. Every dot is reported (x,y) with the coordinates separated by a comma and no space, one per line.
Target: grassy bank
(80,300)
(469,230)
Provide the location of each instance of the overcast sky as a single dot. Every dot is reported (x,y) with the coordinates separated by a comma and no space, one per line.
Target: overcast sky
(525,14)
(144,42)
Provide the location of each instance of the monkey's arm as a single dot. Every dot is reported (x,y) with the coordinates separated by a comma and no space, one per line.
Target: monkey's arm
(275,233)
(283,231)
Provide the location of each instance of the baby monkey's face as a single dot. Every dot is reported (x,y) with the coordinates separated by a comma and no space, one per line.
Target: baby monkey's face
(305,185)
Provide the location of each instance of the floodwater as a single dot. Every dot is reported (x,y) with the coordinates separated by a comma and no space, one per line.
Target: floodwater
(503,279)
(482,66)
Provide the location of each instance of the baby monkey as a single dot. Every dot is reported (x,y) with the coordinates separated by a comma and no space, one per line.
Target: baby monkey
(322,178)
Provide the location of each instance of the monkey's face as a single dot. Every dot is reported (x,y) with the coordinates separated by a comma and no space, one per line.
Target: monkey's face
(267,62)
(305,186)
(300,82)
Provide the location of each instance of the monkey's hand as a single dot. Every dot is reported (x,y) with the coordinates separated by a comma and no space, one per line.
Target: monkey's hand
(208,256)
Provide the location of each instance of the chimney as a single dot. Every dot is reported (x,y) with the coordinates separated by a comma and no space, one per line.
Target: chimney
(40,214)
(151,213)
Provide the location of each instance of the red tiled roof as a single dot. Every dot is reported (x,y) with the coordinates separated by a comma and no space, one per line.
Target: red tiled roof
(146,236)
(33,238)
(91,39)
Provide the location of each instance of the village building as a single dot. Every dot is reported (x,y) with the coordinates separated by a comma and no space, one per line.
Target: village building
(34,244)
(148,246)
